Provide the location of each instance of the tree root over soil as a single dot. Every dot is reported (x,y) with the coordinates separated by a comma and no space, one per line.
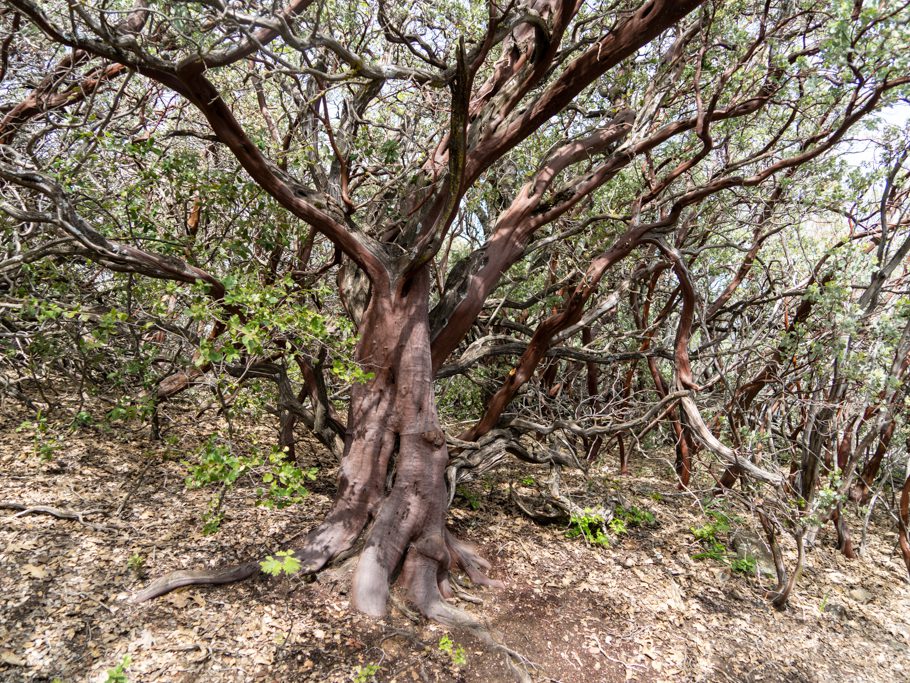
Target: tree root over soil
(428,587)
(415,573)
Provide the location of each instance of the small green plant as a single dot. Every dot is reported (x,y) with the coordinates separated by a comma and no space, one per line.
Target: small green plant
(287,482)
(136,564)
(45,442)
(590,526)
(471,499)
(634,516)
(126,410)
(284,483)
(456,652)
(706,535)
(283,561)
(82,419)
(743,565)
(618,526)
(118,673)
(714,550)
(217,465)
(365,673)
(714,547)
(528,481)
(656,497)
(212,518)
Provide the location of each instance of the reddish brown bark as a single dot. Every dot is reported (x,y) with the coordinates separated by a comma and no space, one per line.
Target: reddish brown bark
(48,96)
(392,413)
(623,456)
(871,469)
(44,98)
(844,543)
(904,516)
(569,315)
(746,394)
(520,220)
(684,445)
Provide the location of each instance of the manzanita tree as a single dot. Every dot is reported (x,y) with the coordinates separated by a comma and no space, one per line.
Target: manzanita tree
(466,172)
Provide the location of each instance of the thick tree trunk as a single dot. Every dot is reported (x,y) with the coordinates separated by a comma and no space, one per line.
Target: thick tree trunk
(395,436)
(391,484)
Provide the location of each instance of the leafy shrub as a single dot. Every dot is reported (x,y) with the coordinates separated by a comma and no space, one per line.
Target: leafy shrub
(284,484)
(456,652)
(633,516)
(714,548)
(590,526)
(743,565)
(283,562)
(118,673)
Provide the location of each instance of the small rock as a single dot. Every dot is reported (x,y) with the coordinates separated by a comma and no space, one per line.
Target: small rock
(837,577)
(861,595)
(9,657)
(748,544)
(629,562)
(836,609)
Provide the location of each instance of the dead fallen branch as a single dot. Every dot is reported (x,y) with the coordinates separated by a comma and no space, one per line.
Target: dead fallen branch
(59,514)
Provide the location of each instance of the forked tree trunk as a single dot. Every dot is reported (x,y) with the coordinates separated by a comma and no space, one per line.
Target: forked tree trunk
(391,484)
(395,436)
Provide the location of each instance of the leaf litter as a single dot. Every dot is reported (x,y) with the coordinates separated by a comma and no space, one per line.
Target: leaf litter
(639,610)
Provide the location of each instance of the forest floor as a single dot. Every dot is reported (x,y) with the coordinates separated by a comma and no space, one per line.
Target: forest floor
(641,609)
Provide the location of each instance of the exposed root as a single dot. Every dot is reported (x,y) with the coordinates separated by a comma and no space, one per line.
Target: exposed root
(59,514)
(186,577)
(426,582)
(370,592)
(324,543)
(449,615)
(547,512)
(411,615)
(464,555)
(460,591)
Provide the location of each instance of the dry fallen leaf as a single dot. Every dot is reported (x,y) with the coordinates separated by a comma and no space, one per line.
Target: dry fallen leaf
(34,571)
(178,599)
(11,658)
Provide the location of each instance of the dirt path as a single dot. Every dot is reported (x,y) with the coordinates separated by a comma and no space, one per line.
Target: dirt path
(640,610)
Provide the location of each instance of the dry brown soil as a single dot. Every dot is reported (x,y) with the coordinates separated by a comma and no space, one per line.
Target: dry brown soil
(640,610)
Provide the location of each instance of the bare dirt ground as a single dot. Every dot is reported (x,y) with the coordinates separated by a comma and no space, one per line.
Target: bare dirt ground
(640,610)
